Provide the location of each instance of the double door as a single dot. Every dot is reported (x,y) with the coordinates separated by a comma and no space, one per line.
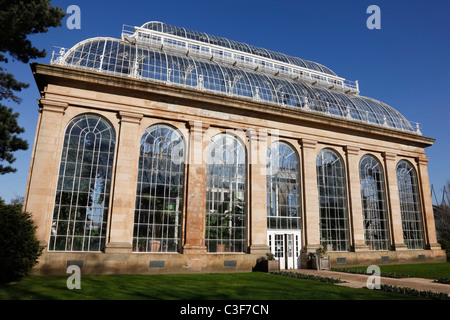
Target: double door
(285,245)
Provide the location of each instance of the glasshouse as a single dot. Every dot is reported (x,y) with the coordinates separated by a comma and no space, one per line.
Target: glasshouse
(171,150)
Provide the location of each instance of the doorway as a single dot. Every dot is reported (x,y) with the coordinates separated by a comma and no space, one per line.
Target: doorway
(285,245)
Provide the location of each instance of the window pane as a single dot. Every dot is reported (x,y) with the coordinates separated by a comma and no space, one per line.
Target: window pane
(283,188)
(332,201)
(374,203)
(226,202)
(159,194)
(82,197)
(409,206)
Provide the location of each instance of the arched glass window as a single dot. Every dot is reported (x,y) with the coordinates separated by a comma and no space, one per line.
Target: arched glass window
(82,196)
(283,189)
(332,201)
(225,195)
(373,198)
(159,194)
(410,206)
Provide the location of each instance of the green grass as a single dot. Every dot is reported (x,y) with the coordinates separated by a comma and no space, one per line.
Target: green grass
(427,270)
(240,286)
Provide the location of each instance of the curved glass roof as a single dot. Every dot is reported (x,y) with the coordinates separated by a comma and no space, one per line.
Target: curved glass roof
(122,58)
(235,45)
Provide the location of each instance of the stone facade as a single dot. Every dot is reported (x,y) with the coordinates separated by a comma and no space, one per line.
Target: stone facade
(131,106)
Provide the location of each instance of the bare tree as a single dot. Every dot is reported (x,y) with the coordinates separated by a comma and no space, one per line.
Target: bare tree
(442,218)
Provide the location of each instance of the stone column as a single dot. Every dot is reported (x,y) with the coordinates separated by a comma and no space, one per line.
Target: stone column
(124,188)
(393,201)
(311,214)
(257,204)
(45,160)
(196,190)
(355,213)
(427,205)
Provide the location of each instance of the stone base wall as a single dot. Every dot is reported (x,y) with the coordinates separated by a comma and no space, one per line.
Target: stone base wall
(53,263)
(366,258)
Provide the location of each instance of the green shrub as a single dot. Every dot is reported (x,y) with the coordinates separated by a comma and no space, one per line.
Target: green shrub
(413,292)
(383,274)
(442,280)
(19,247)
(445,244)
(299,275)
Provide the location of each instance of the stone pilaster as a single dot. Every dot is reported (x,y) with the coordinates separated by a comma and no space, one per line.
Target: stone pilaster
(427,205)
(124,190)
(311,213)
(355,207)
(390,163)
(45,160)
(196,190)
(257,206)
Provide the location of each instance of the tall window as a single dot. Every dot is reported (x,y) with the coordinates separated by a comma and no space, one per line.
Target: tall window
(410,206)
(374,203)
(332,201)
(82,195)
(159,194)
(225,195)
(283,206)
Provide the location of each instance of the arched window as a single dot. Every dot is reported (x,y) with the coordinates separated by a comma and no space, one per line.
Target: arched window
(82,196)
(332,201)
(283,189)
(409,205)
(226,209)
(159,194)
(373,198)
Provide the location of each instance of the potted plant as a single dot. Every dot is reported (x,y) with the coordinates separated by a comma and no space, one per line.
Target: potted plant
(267,263)
(322,261)
(154,245)
(221,247)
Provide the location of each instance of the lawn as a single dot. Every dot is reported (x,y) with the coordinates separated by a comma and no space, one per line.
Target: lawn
(240,286)
(427,270)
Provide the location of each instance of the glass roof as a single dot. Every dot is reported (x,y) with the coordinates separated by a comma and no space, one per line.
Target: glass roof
(230,44)
(122,58)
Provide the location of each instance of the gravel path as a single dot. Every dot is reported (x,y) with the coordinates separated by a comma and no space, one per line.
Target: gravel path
(360,280)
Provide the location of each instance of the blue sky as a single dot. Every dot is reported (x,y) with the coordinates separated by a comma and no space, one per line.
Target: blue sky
(405,64)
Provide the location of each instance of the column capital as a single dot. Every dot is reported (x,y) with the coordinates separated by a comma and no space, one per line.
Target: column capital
(352,150)
(52,105)
(251,134)
(422,161)
(260,135)
(130,117)
(307,143)
(388,156)
(196,125)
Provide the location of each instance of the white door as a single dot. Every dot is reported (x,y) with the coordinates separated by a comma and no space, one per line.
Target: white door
(285,245)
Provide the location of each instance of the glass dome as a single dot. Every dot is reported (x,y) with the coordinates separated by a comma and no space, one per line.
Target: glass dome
(230,44)
(172,66)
